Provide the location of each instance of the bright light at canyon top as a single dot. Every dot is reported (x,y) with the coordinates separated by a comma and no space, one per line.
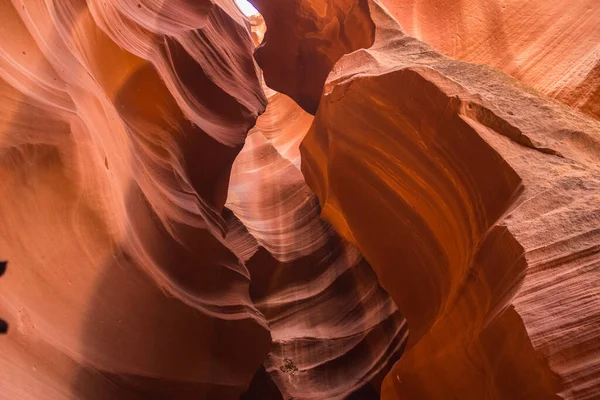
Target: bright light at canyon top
(247,8)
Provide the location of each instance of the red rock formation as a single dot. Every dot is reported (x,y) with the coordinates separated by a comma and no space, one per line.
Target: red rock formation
(119,124)
(162,247)
(303,41)
(552,46)
(334,328)
(467,192)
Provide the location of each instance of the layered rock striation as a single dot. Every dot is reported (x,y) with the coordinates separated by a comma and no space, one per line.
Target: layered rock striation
(552,47)
(129,279)
(118,127)
(381,221)
(334,328)
(475,200)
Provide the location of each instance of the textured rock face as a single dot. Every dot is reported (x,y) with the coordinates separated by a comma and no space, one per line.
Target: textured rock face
(475,200)
(402,226)
(128,278)
(118,127)
(552,46)
(333,327)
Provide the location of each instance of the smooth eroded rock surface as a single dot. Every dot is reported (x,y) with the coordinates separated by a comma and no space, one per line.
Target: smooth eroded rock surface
(119,122)
(476,202)
(361,217)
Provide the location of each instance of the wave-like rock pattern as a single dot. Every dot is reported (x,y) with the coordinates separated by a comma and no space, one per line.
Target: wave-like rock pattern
(334,328)
(160,247)
(119,123)
(475,201)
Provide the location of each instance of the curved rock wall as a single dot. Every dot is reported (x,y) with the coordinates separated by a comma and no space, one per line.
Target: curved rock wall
(304,39)
(334,328)
(119,124)
(161,206)
(465,187)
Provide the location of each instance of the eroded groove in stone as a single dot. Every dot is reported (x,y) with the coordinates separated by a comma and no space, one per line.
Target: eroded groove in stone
(334,328)
(118,126)
(163,242)
(447,201)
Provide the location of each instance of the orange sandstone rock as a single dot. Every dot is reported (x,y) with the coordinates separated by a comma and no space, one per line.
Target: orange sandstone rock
(552,46)
(334,328)
(304,39)
(163,241)
(475,201)
(119,122)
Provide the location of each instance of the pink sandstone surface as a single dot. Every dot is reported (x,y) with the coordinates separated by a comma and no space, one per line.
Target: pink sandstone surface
(332,199)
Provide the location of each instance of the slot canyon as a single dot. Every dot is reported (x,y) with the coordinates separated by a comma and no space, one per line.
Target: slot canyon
(299,199)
